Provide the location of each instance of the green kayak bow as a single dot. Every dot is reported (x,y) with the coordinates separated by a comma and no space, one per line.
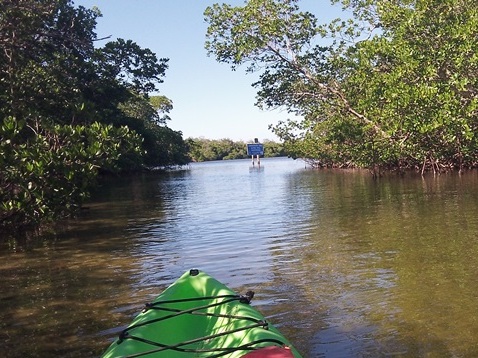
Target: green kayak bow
(197,316)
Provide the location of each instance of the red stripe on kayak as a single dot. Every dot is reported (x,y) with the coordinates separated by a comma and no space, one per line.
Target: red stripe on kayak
(270,352)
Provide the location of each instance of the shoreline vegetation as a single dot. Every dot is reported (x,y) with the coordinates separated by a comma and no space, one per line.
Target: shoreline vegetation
(390,88)
(202,149)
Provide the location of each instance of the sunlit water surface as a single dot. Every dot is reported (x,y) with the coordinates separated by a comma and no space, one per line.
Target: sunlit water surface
(343,265)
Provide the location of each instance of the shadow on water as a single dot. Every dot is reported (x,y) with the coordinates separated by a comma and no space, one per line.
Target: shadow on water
(389,269)
(343,265)
(60,290)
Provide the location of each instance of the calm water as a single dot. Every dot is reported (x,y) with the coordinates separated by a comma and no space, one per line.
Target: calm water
(343,265)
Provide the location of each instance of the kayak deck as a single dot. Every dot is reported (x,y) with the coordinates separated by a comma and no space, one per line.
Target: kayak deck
(197,316)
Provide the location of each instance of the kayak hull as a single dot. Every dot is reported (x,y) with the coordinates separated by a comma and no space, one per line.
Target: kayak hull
(198,316)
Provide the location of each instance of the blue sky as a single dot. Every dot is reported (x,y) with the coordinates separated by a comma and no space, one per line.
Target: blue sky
(209,99)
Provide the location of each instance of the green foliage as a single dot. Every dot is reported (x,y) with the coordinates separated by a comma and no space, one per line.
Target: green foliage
(165,148)
(162,146)
(201,149)
(273,149)
(162,105)
(48,175)
(45,45)
(394,87)
(135,68)
(70,110)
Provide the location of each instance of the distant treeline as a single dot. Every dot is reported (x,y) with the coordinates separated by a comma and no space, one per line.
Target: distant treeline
(201,149)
